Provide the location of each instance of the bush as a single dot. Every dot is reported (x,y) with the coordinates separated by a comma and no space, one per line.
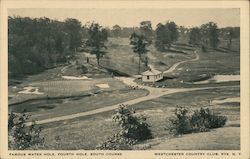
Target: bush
(133,130)
(204,119)
(20,136)
(187,121)
(180,123)
(117,142)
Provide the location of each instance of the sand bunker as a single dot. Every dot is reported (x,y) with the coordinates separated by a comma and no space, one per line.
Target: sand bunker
(75,78)
(31,90)
(102,85)
(220,78)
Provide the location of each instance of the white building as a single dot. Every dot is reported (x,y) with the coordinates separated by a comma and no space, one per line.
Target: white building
(152,75)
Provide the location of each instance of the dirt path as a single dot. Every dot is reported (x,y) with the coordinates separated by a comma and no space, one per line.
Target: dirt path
(172,68)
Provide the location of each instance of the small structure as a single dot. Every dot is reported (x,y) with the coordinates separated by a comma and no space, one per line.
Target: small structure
(152,75)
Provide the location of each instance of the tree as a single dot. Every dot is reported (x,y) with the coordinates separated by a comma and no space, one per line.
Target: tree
(139,44)
(116,29)
(36,44)
(195,36)
(96,40)
(146,29)
(73,28)
(210,34)
(166,35)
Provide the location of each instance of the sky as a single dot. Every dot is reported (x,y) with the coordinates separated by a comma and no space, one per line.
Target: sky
(187,17)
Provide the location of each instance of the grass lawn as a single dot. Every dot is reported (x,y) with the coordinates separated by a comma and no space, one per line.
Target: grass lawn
(89,131)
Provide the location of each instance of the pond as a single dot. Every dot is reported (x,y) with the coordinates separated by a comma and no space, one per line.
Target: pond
(35,105)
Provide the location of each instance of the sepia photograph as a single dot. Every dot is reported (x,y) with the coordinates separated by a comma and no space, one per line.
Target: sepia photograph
(135,79)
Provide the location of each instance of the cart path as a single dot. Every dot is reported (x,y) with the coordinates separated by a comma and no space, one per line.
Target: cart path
(172,68)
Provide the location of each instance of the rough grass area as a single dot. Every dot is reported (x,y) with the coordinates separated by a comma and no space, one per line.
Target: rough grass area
(164,60)
(89,131)
(214,140)
(121,57)
(210,63)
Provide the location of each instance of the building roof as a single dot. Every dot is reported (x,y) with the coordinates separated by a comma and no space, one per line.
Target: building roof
(151,72)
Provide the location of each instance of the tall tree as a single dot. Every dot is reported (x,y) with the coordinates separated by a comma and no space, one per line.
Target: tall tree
(146,29)
(166,35)
(210,34)
(74,29)
(139,45)
(96,40)
(195,36)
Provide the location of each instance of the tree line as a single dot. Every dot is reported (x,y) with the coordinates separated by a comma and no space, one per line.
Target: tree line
(36,44)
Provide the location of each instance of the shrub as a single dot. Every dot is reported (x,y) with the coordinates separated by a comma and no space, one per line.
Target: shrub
(187,121)
(20,136)
(180,123)
(132,126)
(204,119)
(133,129)
(117,142)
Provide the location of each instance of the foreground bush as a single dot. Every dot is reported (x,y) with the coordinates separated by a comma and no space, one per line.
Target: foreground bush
(180,123)
(117,142)
(188,121)
(133,130)
(20,136)
(204,119)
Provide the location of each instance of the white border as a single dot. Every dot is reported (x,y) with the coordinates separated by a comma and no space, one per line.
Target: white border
(244,21)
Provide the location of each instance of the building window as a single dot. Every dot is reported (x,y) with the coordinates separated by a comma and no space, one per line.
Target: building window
(147,77)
